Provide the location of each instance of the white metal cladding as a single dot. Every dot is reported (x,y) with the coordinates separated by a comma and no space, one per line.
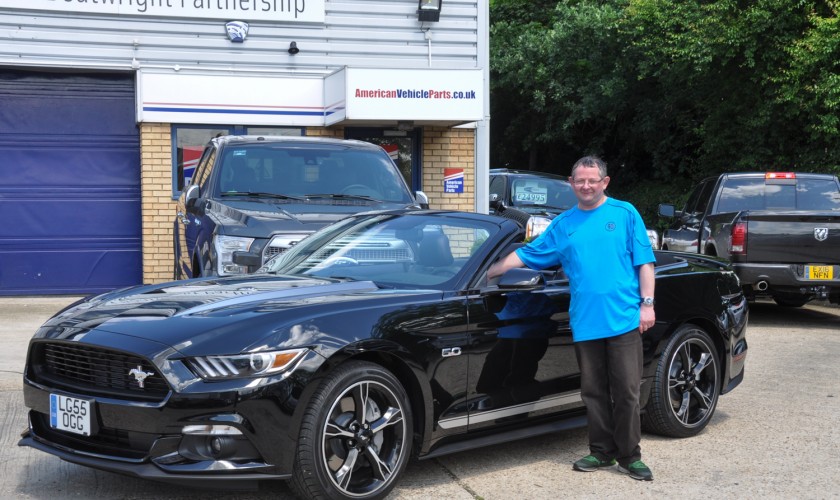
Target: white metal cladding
(362,33)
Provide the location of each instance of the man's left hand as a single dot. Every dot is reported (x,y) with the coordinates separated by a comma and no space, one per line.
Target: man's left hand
(647,319)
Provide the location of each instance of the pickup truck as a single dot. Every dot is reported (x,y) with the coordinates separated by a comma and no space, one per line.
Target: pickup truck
(780,230)
(253,197)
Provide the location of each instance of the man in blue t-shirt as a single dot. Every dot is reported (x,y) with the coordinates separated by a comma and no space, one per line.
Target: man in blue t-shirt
(605,252)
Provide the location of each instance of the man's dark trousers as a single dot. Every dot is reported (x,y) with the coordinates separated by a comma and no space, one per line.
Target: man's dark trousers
(611,374)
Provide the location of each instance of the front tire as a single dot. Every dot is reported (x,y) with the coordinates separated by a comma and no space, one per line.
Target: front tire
(355,437)
(686,385)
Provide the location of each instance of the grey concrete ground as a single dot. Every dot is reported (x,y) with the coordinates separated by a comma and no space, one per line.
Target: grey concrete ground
(775,436)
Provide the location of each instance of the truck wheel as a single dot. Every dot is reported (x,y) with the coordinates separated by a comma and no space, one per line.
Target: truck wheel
(686,384)
(355,436)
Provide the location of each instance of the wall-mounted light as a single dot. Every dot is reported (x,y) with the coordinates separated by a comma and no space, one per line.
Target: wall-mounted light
(237,31)
(293,48)
(429,10)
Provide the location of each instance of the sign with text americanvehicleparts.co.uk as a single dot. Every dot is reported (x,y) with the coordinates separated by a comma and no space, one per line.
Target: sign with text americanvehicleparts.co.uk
(300,11)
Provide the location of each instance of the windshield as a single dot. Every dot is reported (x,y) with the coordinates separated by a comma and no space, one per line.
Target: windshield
(301,171)
(757,194)
(536,192)
(406,251)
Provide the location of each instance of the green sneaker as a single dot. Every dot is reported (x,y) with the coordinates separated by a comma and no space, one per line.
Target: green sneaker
(637,470)
(591,463)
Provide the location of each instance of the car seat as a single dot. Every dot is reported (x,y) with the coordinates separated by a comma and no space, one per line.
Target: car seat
(434,250)
(242,178)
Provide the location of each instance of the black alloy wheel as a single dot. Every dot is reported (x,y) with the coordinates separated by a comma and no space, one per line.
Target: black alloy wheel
(686,385)
(355,437)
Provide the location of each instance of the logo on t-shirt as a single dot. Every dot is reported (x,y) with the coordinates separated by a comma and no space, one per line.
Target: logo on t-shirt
(610,226)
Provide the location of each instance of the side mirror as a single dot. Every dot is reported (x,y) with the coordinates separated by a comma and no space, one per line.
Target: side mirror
(249,259)
(421,199)
(667,210)
(521,279)
(495,203)
(191,196)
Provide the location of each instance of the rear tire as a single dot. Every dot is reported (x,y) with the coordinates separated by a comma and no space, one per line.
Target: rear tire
(355,435)
(686,385)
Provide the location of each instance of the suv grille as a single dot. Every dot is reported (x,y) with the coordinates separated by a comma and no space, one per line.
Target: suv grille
(96,371)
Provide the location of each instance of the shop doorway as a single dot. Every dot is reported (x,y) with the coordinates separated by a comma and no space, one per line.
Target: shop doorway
(402,145)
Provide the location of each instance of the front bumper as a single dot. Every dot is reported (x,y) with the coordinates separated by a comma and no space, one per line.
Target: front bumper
(150,440)
(149,470)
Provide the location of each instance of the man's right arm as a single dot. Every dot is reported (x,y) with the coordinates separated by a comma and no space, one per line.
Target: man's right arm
(509,261)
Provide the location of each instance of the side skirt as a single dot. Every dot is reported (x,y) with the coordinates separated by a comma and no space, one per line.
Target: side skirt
(507,436)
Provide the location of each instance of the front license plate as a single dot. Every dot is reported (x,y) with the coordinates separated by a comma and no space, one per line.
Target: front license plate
(821,272)
(70,414)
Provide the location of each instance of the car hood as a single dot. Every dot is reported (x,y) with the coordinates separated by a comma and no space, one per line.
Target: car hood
(262,215)
(200,317)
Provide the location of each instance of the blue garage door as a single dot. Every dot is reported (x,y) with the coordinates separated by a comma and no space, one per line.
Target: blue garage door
(69,183)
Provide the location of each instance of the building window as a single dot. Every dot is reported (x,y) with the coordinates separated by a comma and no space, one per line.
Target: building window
(188,143)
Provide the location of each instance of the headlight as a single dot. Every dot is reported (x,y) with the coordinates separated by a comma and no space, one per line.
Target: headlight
(535,227)
(258,364)
(225,246)
(653,236)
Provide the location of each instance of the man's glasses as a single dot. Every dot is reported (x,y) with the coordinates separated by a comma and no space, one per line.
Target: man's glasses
(585,182)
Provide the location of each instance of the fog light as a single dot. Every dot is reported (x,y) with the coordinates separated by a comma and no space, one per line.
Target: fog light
(216,446)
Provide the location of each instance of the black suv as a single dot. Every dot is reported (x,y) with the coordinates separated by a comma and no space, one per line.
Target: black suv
(536,193)
(536,197)
(253,197)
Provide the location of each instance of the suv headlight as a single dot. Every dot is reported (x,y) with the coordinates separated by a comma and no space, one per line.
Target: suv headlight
(225,246)
(257,364)
(653,236)
(535,227)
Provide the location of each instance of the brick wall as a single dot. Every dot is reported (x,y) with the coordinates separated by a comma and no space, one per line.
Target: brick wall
(449,148)
(157,205)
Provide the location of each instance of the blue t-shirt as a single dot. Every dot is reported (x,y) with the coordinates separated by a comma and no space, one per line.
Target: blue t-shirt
(600,251)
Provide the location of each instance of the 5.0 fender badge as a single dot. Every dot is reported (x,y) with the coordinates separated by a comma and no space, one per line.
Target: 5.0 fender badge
(821,233)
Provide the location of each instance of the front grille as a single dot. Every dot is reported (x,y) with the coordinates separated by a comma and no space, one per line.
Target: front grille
(380,255)
(272,251)
(96,371)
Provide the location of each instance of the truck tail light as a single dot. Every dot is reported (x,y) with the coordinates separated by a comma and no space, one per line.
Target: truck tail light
(780,175)
(738,241)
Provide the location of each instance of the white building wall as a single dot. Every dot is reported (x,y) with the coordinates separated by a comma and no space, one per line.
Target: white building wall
(355,35)
(361,33)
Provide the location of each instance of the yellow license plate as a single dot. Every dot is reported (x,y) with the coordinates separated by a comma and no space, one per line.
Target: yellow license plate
(821,272)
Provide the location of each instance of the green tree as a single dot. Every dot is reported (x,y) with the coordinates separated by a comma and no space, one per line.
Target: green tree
(667,91)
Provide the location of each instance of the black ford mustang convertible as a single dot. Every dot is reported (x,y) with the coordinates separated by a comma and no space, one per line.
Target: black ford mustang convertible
(375,339)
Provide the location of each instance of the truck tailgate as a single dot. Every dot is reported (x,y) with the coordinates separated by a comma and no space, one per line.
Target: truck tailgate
(793,237)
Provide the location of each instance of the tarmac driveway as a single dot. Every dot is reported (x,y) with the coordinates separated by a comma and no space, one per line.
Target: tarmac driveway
(775,436)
